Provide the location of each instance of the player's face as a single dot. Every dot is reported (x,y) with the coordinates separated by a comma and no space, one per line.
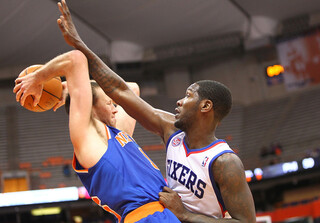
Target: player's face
(187,108)
(104,109)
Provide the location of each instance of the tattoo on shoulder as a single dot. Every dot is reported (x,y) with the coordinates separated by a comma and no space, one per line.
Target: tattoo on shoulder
(227,168)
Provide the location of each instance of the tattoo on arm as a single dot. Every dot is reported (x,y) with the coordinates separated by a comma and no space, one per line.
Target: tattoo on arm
(108,80)
(229,174)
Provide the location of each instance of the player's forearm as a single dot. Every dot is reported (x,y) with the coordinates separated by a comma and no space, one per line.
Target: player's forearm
(108,80)
(58,66)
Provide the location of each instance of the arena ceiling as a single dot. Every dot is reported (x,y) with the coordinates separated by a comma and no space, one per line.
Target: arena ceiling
(29,33)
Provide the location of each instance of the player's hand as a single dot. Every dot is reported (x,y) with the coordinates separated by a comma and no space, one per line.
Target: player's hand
(25,86)
(67,27)
(171,200)
(63,97)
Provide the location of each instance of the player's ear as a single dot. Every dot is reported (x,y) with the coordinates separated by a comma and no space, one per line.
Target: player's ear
(206,105)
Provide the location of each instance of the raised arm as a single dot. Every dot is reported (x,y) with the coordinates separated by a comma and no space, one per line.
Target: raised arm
(73,65)
(155,120)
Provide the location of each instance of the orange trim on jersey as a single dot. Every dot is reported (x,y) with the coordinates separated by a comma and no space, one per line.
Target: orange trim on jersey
(74,165)
(107,132)
(200,151)
(106,207)
(152,163)
(143,211)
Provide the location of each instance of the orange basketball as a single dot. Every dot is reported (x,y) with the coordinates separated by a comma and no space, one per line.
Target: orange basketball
(51,94)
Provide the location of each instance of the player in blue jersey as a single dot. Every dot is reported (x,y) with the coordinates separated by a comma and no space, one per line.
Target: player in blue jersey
(205,172)
(117,174)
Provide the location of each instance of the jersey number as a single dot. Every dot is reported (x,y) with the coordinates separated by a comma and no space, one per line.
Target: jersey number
(152,163)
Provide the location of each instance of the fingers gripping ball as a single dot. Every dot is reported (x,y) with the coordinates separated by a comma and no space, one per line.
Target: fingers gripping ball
(51,94)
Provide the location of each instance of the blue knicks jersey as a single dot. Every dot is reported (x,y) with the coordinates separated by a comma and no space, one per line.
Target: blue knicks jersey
(124,178)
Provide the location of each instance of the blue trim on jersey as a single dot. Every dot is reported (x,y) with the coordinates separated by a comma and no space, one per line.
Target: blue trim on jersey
(214,185)
(203,148)
(173,135)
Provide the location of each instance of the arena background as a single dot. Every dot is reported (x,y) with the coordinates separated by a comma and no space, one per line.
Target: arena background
(165,46)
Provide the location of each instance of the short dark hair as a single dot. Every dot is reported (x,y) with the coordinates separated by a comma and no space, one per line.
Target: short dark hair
(219,94)
(94,86)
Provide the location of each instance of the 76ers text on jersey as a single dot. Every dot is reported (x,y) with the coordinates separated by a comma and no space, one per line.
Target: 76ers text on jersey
(186,177)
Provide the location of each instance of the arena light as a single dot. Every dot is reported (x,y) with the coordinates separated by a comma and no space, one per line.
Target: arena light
(308,163)
(46,211)
(258,173)
(39,196)
(274,70)
(290,167)
(282,169)
(249,175)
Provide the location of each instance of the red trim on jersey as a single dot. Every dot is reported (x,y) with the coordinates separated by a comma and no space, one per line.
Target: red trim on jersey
(199,151)
(222,211)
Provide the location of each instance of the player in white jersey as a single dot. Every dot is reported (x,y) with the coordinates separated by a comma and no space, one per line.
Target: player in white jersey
(189,174)
(198,114)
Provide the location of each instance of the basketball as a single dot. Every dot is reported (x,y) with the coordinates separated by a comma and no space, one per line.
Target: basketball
(51,94)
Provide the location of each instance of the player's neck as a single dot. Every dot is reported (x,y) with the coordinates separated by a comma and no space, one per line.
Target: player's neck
(199,139)
(100,128)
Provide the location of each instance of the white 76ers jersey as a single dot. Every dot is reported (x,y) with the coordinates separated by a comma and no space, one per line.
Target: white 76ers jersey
(189,173)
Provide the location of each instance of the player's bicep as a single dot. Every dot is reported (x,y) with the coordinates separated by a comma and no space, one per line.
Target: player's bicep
(229,174)
(80,100)
(79,114)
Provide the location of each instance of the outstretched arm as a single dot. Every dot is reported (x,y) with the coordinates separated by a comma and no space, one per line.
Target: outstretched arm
(152,119)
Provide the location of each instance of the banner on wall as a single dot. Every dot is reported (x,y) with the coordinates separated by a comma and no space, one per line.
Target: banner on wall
(300,58)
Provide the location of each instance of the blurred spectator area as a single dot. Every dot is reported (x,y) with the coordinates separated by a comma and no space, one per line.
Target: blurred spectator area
(39,143)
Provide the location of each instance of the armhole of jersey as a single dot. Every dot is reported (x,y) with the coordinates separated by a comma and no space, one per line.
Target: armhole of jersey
(214,185)
(74,165)
(170,138)
(77,167)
